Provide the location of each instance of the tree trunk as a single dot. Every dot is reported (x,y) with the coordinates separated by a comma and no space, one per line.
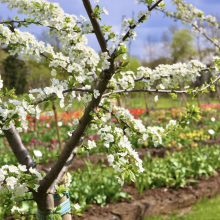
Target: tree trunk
(45,204)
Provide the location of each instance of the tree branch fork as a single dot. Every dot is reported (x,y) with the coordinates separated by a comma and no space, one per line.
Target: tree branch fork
(42,197)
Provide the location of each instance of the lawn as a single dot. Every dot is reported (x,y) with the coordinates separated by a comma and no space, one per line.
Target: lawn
(146,100)
(207,209)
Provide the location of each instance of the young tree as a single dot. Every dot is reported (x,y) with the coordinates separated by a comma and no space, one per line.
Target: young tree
(95,79)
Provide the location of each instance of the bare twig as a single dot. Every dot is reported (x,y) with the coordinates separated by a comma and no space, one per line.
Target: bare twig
(97,29)
(146,91)
(140,20)
(52,96)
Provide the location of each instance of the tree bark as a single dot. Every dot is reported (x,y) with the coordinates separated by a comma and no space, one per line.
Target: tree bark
(18,148)
(45,204)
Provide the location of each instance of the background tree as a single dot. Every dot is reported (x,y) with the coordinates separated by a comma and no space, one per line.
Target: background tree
(15,74)
(182,48)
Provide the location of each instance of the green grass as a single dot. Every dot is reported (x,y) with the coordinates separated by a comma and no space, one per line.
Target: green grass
(146,100)
(206,209)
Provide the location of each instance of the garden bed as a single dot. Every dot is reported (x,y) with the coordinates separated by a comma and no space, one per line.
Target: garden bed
(154,201)
(80,161)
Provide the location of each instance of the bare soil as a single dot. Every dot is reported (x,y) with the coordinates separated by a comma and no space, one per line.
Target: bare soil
(154,201)
(151,202)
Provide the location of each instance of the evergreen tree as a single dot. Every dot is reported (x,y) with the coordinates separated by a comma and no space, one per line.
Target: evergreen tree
(15,74)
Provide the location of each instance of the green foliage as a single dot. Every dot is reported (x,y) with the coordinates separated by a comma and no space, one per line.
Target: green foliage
(217,63)
(39,75)
(26,203)
(178,169)
(192,114)
(182,46)
(95,184)
(23,75)
(97,12)
(133,64)
(206,209)
(155,62)
(15,74)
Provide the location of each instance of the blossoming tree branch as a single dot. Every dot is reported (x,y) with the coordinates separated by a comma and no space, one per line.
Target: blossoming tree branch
(93,79)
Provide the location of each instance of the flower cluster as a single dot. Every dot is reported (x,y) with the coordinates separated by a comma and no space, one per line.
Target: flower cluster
(152,134)
(16,183)
(189,12)
(173,76)
(26,45)
(125,116)
(57,87)
(121,156)
(80,61)
(164,76)
(18,179)
(23,43)
(65,26)
(14,112)
(123,80)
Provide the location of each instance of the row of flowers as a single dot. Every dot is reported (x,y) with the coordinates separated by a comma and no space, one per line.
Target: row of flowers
(136,112)
(205,129)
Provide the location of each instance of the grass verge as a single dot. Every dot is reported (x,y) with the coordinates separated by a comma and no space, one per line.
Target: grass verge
(206,209)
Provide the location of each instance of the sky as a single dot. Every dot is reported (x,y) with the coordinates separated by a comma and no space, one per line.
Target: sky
(149,33)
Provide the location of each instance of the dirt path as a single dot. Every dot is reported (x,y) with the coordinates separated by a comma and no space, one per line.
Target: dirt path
(154,202)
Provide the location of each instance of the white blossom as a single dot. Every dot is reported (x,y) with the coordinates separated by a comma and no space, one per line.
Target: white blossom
(22,168)
(105,11)
(13,169)
(60,123)
(96,93)
(211,131)
(110,158)
(11,182)
(156,98)
(2,176)
(91,144)
(76,206)
(20,190)
(37,153)
(212,119)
